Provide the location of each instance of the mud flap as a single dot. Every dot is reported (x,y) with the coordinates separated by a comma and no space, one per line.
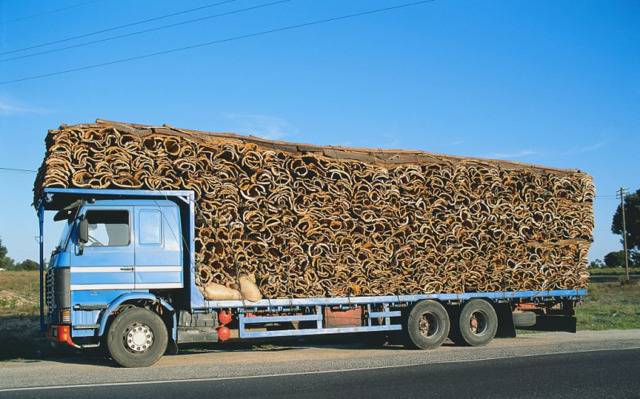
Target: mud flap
(506,329)
(553,323)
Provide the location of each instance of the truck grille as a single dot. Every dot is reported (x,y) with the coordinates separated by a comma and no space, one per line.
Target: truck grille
(49,290)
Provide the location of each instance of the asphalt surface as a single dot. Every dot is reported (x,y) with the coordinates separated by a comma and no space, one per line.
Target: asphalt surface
(585,365)
(583,375)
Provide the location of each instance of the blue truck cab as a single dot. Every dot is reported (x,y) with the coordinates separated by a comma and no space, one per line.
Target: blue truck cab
(117,250)
(123,276)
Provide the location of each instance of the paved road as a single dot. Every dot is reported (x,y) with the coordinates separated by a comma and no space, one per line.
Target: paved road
(583,375)
(587,364)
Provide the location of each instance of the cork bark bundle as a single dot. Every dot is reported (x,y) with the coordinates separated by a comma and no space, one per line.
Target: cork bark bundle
(311,221)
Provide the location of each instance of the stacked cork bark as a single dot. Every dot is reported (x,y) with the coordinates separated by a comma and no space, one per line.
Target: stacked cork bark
(311,221)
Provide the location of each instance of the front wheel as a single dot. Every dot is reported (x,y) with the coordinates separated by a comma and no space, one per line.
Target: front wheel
(137,338)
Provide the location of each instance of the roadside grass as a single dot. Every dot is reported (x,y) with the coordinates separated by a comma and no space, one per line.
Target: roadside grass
(607,306)
(607,271)
(19,293)
(19,322)
(610,306)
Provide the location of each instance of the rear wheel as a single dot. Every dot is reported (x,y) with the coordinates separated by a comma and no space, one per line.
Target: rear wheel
(426,326)
(476,325)
(137,338)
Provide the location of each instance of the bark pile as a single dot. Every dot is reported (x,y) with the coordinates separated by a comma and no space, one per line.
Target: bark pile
(311,221)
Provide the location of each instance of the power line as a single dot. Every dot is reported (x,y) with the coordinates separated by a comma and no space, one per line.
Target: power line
(19,170)
(54,11)
(146,30)
(127,25)
(214,42)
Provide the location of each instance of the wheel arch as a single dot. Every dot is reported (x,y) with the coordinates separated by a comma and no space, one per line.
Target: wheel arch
(139,299)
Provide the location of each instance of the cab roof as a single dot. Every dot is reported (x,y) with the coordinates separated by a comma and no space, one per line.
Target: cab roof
(54,199)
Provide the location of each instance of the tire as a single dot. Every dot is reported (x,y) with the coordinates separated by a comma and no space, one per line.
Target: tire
(524,319)
(426,326)
(476,325)
(137,338)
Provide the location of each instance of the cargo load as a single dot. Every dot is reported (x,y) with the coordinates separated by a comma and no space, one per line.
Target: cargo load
(325,221)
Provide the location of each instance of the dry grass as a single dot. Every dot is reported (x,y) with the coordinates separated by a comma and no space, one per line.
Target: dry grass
(19,293)
(21,338)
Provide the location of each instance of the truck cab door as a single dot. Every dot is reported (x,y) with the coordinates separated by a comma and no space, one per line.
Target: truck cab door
(158,249)
(106,261)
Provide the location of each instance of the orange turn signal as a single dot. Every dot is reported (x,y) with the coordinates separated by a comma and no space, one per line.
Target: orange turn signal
(65,315)
(63,333)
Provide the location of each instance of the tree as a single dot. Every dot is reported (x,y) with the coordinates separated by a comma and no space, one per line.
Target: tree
(614,259)
(596,264)
(27,264)
(9,264)
(3,250)
(5,261)
(632,216)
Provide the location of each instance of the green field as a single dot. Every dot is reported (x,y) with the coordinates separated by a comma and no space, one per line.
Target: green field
(607,306)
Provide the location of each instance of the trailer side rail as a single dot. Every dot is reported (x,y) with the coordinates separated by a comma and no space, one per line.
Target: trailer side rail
(363,300)
(375,321)
(378,317)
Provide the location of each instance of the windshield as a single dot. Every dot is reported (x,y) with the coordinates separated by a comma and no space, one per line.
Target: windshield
(64,236)
(68,214)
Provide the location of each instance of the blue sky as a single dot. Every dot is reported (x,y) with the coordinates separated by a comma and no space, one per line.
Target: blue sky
(549,82)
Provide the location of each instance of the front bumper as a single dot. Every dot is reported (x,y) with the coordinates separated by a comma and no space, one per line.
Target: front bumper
(60,333)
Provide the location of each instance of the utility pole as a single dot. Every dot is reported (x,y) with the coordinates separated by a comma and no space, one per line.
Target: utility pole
(621,192)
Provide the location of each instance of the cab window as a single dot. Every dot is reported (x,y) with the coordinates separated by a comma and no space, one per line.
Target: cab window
(108,228)
(150,227)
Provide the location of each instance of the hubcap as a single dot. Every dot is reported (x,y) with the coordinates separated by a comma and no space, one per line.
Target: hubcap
(138,337)
(428,324)
(478,323)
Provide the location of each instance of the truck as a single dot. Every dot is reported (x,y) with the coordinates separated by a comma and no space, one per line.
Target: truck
(123,278)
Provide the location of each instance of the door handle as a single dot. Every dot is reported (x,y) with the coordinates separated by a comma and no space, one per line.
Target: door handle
(127,268)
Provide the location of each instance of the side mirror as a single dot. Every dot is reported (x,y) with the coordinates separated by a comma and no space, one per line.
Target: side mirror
(83,231)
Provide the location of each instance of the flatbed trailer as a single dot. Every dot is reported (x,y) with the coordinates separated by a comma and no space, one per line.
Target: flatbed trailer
(137,296)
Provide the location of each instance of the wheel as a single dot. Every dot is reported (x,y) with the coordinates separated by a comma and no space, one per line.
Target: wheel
(477,324)
(426,326)
(137,338)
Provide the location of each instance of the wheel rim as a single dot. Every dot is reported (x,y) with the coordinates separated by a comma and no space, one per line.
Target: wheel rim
(428,324)
(138,337)
(478,322)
